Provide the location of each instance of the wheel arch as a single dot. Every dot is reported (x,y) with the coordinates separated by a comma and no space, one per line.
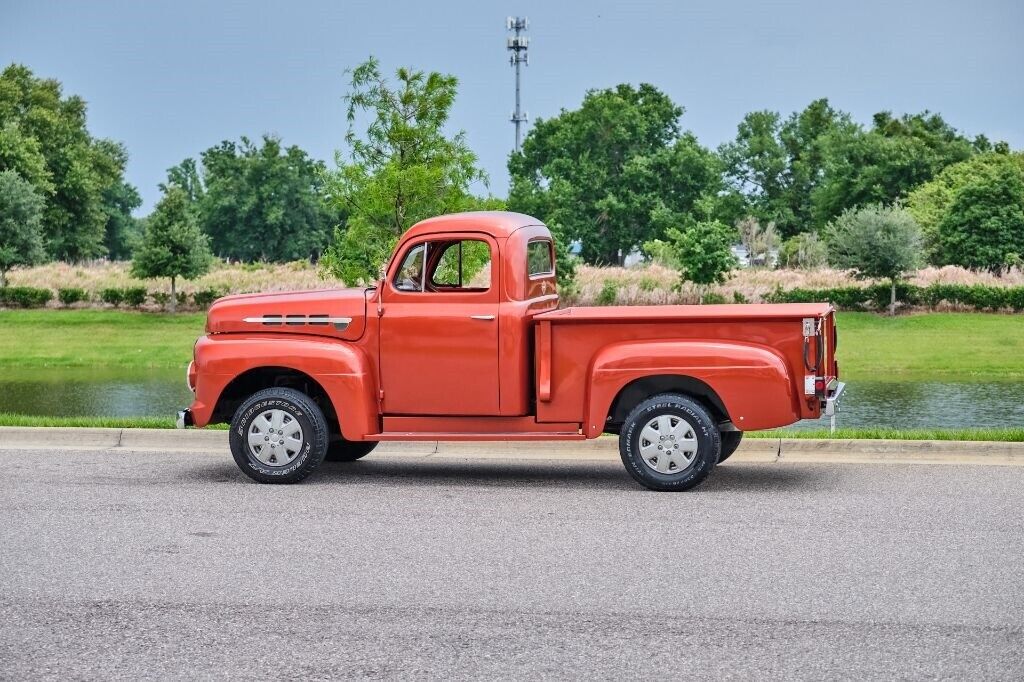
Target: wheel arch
(636,391)
(272,376)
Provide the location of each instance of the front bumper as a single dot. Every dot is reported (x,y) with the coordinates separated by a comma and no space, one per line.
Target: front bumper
(832,401)
(184,419)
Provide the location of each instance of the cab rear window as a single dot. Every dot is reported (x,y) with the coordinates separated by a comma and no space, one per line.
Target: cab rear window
(538,258)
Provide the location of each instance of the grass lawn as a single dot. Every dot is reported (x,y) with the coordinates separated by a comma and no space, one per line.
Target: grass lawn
(7,419)
(932,346)
(96,338)
(1007,435)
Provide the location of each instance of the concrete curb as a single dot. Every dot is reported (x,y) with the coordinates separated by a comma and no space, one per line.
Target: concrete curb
(604,448)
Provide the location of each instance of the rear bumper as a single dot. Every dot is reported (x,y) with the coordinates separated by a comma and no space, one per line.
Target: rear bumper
(834,394)
(184,419)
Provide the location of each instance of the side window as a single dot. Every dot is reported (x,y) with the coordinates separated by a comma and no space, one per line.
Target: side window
(410,275)
(538,258)
(461,266)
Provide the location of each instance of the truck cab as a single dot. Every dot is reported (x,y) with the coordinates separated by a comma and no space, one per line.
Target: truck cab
(463,339)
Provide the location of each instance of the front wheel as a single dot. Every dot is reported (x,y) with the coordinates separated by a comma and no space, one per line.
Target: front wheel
(669,442)
(278,435)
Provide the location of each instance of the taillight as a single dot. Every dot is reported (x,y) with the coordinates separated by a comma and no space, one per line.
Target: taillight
(819,386)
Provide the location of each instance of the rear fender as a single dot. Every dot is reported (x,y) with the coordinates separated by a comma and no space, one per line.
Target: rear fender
(342,370)
(753,383)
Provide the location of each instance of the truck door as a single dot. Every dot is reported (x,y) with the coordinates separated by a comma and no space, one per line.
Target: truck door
(439,329)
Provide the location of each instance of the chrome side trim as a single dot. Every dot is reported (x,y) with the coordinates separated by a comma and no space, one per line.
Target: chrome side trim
(340,323)
(486,318)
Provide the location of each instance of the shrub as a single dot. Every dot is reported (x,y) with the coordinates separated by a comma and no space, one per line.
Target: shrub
(975,296)
(609,293)
(134,296)
(24,297)
(713,298)
(738,297)
(161,298)
(205,297)
(72,295)
(114,296)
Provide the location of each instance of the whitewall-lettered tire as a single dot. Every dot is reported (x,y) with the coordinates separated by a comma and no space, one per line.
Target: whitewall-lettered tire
(669,442)
(278,435)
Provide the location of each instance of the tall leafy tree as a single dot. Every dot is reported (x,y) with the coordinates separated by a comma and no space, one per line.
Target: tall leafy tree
(884,163)
(173,245)
(119,200)
(21,214)
(258,202)
(401,168)
(983,226)
(931,202)
(79,169)
(776,165)
(597,174)
(876,242)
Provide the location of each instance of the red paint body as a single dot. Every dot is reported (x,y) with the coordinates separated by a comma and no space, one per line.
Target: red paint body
(500,360)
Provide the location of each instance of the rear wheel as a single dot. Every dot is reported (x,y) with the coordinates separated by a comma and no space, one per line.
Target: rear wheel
(730,441)
(669,442)
(278,435)
(341,450)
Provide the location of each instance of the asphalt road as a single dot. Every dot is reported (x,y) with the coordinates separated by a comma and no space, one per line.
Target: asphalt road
(117,565)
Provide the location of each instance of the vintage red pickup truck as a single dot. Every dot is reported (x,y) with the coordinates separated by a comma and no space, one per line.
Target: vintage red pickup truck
(463,339)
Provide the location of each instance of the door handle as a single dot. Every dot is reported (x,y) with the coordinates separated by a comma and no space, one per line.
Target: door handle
(482,317)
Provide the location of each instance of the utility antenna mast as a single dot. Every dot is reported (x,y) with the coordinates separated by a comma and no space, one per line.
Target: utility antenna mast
(517,45)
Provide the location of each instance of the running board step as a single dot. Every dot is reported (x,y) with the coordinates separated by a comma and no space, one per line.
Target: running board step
(450,436)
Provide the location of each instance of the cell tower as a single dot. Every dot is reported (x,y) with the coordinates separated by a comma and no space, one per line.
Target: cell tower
(517,45)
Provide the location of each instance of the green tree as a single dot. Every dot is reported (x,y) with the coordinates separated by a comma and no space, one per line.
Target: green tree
(119,200)
(79,169)
(984,224)
(173,245)
(401,169)
(776,165)
(930,203)
(700,246)
(597,174)
(885,163)
(876,242)
(21,213)
(258,202)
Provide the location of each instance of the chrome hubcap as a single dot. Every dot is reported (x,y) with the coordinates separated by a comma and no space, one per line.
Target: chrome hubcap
(275,438)
(668,444)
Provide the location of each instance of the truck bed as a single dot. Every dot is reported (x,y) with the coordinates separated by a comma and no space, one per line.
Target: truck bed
(751,357)
(752,311)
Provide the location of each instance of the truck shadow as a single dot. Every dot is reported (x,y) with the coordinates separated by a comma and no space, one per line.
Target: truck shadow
(530,474)
(586,475)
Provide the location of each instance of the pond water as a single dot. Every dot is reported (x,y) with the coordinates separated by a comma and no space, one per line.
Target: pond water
(130,393)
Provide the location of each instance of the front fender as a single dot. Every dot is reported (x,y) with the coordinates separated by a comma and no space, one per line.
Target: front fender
(343,370)
(753,382)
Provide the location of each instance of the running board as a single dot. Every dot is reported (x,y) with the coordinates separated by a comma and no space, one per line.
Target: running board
(456,436)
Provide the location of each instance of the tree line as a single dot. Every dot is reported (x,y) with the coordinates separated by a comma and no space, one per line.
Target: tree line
(615,175)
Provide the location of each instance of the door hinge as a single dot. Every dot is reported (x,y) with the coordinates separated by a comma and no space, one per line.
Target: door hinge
(380,394)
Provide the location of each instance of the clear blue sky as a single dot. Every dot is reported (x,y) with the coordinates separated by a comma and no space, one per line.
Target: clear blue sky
(170,79)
